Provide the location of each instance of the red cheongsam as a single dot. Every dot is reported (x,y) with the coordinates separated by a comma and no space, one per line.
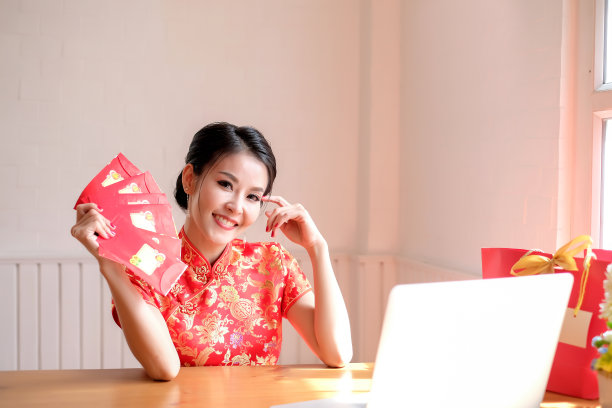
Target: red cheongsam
(230,314)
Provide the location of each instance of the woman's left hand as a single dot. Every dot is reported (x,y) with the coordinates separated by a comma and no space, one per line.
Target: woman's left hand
(294,221)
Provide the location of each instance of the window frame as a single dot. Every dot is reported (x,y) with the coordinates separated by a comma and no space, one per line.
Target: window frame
(599,98)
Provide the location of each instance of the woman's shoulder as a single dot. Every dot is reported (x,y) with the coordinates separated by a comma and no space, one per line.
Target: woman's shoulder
(265,245)
(268,248)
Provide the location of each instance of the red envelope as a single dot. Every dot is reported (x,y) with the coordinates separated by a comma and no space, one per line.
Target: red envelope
(131,199)
(117,170)
(141,183)
(146,240)
(153,257)
(150,217)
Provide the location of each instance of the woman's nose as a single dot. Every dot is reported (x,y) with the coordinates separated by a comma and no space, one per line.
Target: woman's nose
(234,205)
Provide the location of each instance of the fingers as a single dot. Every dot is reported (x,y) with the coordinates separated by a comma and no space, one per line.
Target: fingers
(274,221)
(83,209)
(91,223)
(282,215)
(278,200)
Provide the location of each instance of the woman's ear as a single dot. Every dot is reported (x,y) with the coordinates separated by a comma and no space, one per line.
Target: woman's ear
(188,179)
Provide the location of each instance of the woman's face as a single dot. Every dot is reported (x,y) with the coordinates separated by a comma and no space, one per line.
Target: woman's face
(224,201)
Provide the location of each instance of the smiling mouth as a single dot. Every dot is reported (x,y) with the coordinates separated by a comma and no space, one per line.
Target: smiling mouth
(225,222)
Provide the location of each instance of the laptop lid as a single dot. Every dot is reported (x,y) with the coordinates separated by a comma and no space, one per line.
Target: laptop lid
(478,343)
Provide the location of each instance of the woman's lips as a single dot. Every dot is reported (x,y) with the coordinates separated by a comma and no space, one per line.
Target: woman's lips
(224,222)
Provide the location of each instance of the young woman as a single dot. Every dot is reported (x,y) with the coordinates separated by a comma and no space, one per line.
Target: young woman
(227,308)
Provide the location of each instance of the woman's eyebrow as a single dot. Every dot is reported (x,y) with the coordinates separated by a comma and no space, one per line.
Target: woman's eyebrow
(229,175)
(235,180)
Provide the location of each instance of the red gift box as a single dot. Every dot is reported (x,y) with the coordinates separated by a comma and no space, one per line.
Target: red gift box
(571,372)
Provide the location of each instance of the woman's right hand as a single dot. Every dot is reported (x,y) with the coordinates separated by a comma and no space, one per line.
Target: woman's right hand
(144,327)
(90,223)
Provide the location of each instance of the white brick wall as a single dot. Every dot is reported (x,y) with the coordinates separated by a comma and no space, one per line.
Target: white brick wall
(81,80)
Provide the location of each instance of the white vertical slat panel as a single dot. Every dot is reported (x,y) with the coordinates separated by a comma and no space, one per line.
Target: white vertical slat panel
(111,333)
(370,308)
(304,354)
(346,280)
(49,316)
(294,350)
(289,345)
(28,328)
(342,270)
(8,316)
(388,270)
(70,315)
(91,319)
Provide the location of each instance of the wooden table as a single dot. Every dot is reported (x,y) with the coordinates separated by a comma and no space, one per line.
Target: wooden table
(197,386)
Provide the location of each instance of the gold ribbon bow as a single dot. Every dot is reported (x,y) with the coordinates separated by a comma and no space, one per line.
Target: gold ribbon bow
(563,258)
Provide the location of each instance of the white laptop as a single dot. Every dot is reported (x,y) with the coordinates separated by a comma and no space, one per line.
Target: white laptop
(477,343)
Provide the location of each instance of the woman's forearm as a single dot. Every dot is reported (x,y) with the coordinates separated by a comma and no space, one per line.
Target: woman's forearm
(143,325)
(331,321)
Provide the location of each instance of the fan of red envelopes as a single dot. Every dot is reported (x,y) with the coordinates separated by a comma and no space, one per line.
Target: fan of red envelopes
(145,236)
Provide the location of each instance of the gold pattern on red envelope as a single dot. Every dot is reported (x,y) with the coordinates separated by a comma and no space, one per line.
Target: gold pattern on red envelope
(143,220)
(130,189)
(148,259)
(112,178)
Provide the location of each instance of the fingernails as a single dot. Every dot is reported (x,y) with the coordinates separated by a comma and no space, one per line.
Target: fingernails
(113,226)
(112,233)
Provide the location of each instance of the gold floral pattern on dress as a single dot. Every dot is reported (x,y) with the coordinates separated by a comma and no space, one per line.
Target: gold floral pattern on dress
(239,360)
(213,329)
(229,294)
(176,289)
(230,313)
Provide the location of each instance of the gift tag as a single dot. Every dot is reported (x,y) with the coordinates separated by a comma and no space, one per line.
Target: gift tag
(575,330)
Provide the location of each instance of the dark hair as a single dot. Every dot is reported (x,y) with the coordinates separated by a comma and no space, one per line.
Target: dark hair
(216,140)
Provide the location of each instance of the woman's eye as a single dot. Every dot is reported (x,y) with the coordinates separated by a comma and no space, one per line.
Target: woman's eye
(254,197)
(225,184)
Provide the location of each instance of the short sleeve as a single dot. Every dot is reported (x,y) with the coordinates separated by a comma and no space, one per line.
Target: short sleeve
(145,290)
(296,283)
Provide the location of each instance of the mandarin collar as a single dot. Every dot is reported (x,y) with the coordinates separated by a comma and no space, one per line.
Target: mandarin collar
(189,250)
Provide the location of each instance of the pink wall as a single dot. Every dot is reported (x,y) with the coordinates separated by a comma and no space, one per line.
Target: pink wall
(480,128)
